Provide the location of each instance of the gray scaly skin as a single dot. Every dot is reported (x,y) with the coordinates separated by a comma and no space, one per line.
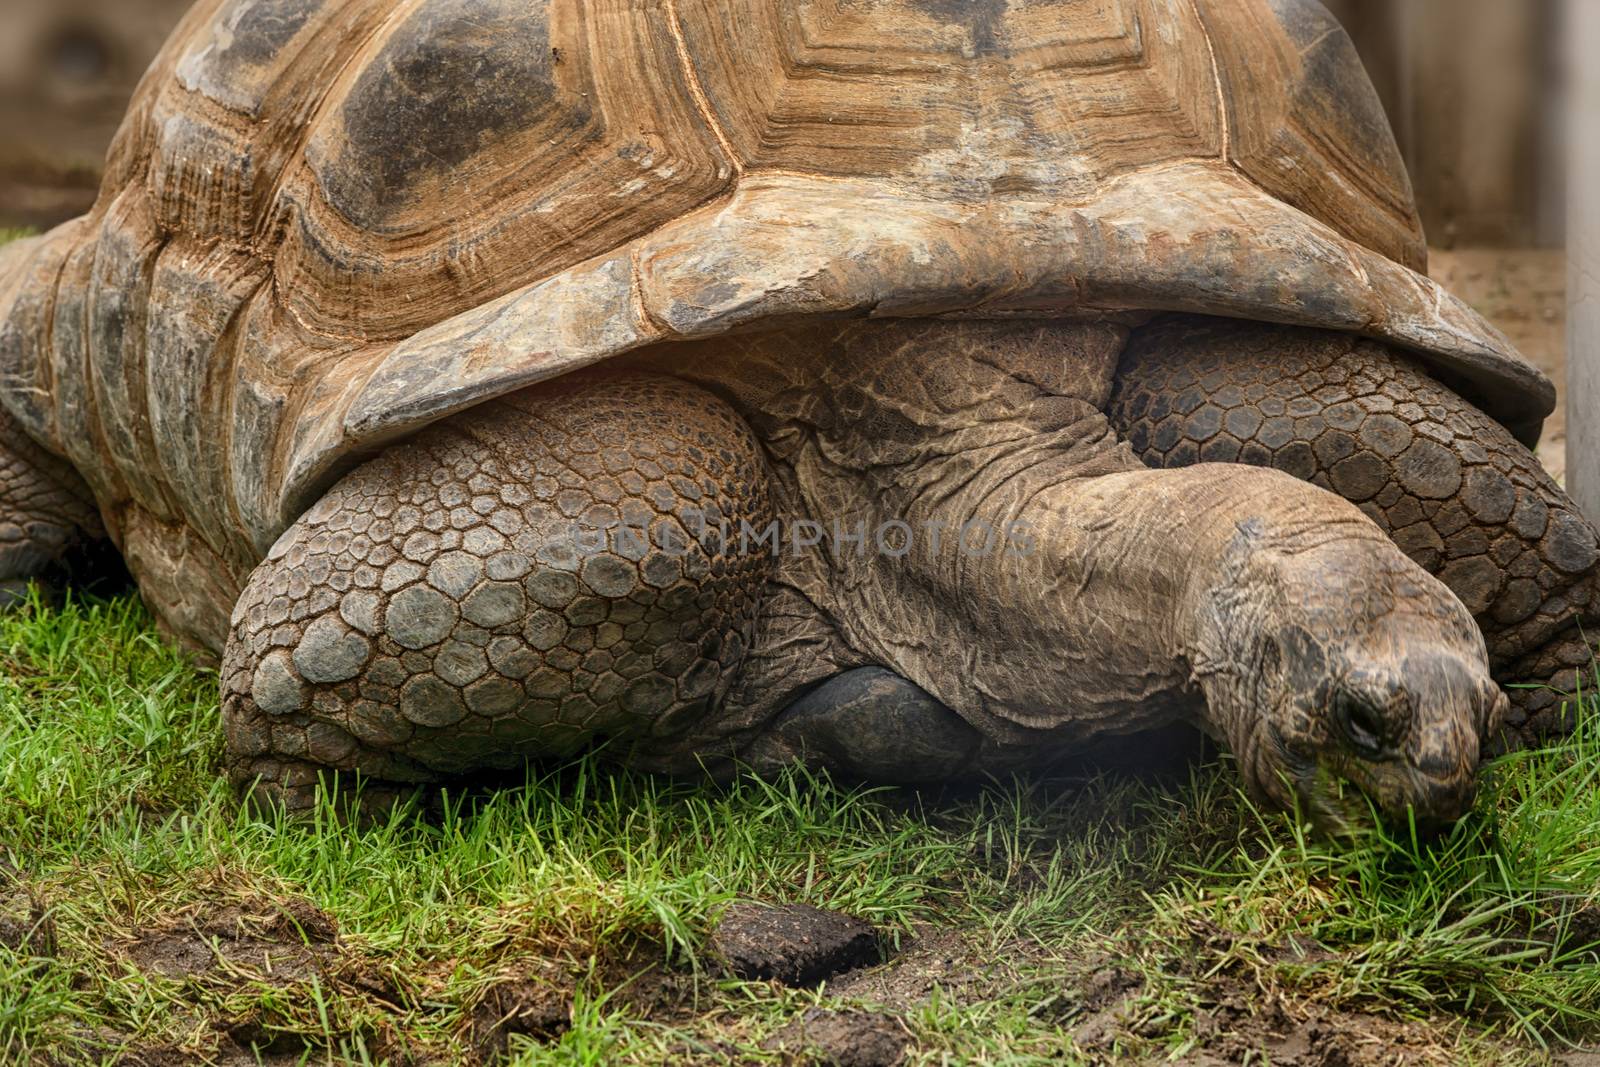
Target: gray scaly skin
(435,614)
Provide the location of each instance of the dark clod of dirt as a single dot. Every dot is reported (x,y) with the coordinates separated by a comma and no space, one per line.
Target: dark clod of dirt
(795,944)
(520,1006)
(845,1039)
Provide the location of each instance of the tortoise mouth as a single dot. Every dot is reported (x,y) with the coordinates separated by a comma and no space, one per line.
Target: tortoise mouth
(1338,806)
(1328,792)
(1343,802)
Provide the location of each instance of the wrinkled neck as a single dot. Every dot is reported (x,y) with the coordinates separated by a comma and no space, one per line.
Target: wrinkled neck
(975,524)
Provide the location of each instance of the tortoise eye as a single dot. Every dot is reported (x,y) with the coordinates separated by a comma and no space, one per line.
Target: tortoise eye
(1366,727)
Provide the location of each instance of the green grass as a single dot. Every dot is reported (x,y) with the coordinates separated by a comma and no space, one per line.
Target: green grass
(116,827)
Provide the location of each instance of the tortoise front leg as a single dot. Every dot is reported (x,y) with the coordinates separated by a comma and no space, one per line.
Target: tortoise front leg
(523,580)
(50,529)
(1454,489)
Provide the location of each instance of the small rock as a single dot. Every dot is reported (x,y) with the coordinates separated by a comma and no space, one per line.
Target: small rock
(795,944)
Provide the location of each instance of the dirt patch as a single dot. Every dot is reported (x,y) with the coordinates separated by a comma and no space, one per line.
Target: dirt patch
(1240,1024)
(268,941)
(1240,1017)
(1569,925)
(228,1055)
(533,997)
(795,944)
(285,944)
(1102,1004)
(843,1039)
(240,1044)
(106,1046)
(954,963)
(641,980)
(26,927)
(1102,1001)
(1243,1026)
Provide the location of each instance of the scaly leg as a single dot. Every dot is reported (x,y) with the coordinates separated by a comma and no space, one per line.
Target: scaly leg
(468,599)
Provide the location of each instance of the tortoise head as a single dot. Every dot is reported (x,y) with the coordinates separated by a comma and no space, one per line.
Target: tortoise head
(1347,679)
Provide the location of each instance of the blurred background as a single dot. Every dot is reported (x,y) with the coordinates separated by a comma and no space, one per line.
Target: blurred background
(1472,87)
(67,69)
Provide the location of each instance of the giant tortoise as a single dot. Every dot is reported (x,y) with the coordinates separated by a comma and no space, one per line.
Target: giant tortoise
(911,388)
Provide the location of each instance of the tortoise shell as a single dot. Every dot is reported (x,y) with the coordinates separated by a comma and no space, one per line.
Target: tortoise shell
(327,223)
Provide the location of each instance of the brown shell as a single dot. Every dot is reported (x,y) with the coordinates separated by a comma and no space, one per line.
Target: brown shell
(327,223)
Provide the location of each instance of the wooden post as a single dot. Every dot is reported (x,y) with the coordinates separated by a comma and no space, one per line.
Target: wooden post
(1583,257)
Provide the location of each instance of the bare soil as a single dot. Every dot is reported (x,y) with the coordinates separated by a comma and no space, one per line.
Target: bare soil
(844,1039)
(271,941)
(259,943)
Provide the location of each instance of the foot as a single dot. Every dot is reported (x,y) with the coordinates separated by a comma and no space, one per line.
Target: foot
(1553,680)
(296,787)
